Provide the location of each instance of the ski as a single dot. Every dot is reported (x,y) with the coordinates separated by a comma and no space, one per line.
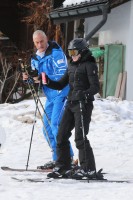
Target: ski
(24,170)
(42,180)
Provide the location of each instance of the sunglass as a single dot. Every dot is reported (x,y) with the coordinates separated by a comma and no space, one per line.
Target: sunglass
(73,52)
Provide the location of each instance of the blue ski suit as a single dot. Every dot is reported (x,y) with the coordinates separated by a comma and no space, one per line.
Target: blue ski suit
(54,64)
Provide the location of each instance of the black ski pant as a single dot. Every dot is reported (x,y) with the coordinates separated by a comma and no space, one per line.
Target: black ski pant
(72,119)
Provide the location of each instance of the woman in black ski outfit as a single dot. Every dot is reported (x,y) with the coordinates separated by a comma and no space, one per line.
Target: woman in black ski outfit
(82,77)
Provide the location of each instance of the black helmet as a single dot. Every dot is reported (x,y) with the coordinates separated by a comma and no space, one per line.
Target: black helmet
(78,44)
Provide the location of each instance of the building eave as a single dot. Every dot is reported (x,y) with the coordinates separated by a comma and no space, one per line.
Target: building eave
(77,11)
(82,10)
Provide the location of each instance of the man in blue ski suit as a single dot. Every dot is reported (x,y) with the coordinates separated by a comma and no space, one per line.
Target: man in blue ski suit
(50,59)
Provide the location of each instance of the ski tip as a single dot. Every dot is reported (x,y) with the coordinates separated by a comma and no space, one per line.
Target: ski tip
(4,168)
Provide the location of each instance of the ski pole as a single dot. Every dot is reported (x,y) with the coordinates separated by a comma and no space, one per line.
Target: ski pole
(32,135)
(32,89)
(83,131)
(35,99)
(36,103)
(33,132)
(34,92)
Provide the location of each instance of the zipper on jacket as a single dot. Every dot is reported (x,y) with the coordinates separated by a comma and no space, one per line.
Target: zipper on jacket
(75,76)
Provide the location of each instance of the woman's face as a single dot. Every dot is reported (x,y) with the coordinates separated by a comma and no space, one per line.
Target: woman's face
(76,58)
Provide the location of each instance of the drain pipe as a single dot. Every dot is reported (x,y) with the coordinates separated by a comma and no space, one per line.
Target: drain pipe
(105,11)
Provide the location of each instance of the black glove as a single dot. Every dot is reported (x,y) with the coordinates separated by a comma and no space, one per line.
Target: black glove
(47,79)
(80,95)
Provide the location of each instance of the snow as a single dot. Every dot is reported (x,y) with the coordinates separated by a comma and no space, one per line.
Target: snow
(69,2)
(111,136)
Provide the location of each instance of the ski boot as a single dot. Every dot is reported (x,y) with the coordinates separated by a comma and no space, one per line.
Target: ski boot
(48,165)
(91,175)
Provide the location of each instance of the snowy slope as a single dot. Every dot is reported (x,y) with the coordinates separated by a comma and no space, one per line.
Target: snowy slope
(111,136)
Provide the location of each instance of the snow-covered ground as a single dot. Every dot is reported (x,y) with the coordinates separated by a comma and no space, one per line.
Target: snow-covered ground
(111,136)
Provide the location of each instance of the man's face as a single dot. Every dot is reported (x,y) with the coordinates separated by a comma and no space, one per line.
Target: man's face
(40,42)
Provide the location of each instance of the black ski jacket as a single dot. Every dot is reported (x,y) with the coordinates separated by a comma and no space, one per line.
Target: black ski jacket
(81,76)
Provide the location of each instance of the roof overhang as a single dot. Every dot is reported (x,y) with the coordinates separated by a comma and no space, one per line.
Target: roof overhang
(78,11)
(83,10)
